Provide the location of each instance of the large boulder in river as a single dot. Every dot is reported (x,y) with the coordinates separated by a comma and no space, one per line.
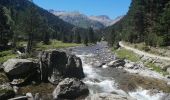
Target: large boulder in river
(116,63)
(106,96)
(16,68)
(70,88)
(56,65)
(52,65)
(74,67)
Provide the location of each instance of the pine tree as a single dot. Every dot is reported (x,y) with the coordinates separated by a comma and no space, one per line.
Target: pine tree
(78,38)
(86,41)
(91,36)
(5,29)
(32,24)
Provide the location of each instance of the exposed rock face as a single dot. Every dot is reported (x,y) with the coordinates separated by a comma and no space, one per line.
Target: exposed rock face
(104,96)
(56,65)
(19,67)
(6,92)
(70,88)
(116,63)
(74,67)
(52,64)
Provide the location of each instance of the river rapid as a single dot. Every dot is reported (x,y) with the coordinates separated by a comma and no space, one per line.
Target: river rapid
(109,80)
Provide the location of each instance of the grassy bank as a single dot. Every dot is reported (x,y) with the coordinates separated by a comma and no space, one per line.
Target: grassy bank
(54,44)
(161,51)
(5,55)
(123,53)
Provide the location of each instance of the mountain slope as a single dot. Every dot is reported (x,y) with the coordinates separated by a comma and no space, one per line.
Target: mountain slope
(146,21)
(78,19)
(19,12)
(105,20)
(81,20)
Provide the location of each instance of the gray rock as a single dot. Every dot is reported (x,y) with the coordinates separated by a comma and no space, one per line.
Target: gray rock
(70,88)
(15,88)
(52,64)
(74,67)
(168,70)
(98,64)
(130,65)
(56,65)
(17,81)
(116,63)
(37,96)
(19,67)
(104,96)
(29,96)
(165,67)
(167,76)
(6,92)
(168,83)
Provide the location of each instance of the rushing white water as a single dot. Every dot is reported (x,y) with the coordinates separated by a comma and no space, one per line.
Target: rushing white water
(143,95)
(100,84)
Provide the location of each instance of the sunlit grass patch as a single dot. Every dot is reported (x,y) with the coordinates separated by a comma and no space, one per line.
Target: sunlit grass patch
(54,44)
(5,55)
(156,68)
(123,53)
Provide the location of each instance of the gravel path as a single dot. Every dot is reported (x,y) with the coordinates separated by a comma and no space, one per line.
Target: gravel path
(142,53)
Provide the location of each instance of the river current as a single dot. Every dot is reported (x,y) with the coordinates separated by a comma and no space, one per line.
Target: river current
(104,79)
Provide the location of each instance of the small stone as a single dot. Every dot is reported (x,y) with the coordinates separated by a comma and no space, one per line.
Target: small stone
(29,95)
(168,83)
(150,68)
(167,76)
(15,88)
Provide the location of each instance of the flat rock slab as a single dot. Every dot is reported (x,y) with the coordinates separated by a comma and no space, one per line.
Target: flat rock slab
(18,66)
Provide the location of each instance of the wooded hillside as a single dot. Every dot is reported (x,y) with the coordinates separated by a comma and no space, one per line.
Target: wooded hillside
(146,21)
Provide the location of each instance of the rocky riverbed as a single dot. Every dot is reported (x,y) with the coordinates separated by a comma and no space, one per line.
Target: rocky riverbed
(81,73)
(107,74)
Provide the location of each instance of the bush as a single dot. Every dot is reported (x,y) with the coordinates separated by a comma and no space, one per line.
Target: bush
(146,48)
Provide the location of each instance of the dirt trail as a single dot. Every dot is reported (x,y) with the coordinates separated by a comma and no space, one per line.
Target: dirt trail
(139,52)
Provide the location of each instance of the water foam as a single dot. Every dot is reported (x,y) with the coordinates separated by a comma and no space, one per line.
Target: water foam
(99,84)
(141,94)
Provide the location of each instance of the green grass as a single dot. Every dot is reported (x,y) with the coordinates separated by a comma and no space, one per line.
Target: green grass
(156,68)
(123,53)
(54,45)
(5,55)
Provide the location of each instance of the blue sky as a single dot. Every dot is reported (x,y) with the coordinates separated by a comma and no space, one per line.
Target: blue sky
(112,8)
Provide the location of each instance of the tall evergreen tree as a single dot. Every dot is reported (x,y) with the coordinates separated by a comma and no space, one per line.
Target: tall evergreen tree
(91,36)
(32,24)
(5,29)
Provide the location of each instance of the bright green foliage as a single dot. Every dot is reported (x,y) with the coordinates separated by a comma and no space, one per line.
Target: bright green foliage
(5,55)
(123,53)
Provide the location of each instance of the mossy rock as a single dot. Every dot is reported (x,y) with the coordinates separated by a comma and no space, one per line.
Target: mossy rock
(6,92)
(3,78)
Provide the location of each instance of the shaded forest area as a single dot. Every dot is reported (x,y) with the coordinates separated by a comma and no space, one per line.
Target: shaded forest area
(147,21)
(22,20)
